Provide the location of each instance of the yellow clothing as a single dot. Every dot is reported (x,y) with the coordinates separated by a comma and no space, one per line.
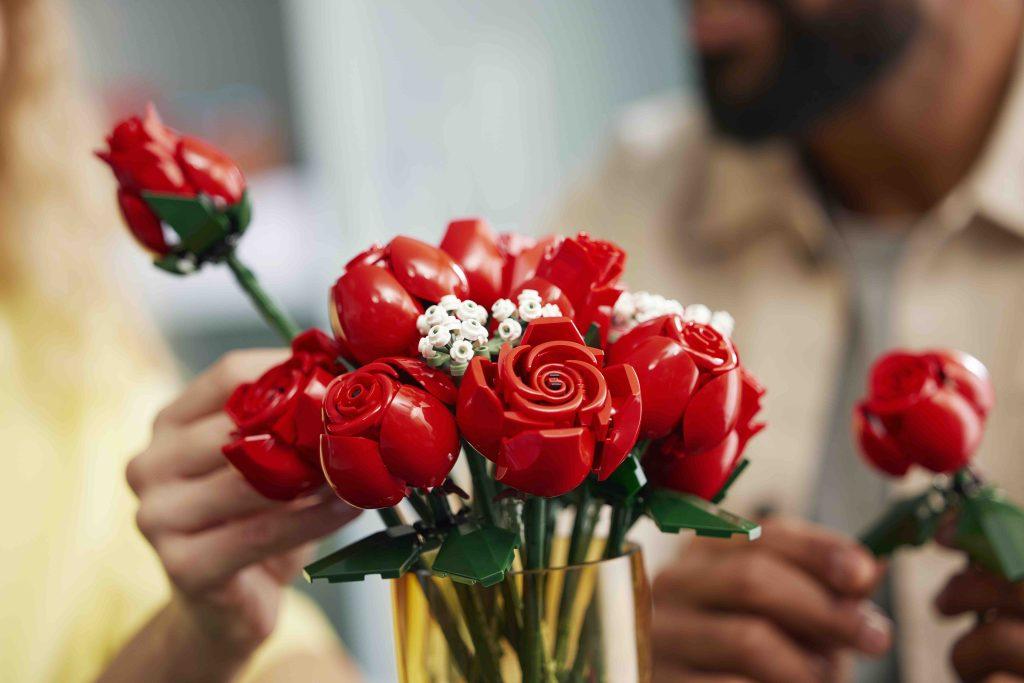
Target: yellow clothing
(76,578)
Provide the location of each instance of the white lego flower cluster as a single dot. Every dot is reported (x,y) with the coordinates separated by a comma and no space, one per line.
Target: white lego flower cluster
(633,308)
(454,330)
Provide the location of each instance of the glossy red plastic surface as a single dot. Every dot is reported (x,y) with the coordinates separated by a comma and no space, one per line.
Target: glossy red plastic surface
(473,246)
(277,419)
(387,428)
(548,412)
(924,408)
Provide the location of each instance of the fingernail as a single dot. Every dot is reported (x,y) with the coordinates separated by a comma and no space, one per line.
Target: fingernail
(848,568)
(875,632)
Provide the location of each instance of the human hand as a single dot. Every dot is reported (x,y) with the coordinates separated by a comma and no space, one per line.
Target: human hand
(782,608)
(227,550)
(993,650)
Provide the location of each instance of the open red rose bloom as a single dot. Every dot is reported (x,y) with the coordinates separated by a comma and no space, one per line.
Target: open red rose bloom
(700,404)
(388,426)
(278,420)
(147,156)
(927,409)
(548,412)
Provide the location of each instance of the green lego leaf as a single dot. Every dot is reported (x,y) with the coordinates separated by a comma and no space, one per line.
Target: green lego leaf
(198,224)
(389,553)
(476,554)
(991,530)
(240,214)
(172,264)
(720,496)
(910,521)
(593,336)
(673,512)
(627,480)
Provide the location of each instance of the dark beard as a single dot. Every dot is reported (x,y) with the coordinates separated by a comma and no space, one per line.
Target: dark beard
(825,63)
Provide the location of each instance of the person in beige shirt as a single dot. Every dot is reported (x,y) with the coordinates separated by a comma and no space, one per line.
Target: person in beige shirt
(852,181)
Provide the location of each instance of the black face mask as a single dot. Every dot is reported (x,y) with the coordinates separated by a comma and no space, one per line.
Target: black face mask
(825,62)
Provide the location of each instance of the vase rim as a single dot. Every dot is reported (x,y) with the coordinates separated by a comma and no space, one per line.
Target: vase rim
(632,549)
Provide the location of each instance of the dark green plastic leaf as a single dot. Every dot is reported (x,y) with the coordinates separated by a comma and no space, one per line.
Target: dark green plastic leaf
(720,496)
(241,213)
(389,553)
(910,521)
(991,530)
(199,226)
(673,512)
(626,481)
(593,336)
(172,264)
(475,554)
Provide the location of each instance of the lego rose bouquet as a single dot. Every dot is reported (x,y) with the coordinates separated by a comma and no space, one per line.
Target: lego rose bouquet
(929,410)
(527,360)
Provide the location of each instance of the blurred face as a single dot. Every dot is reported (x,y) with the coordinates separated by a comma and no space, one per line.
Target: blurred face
(775,67)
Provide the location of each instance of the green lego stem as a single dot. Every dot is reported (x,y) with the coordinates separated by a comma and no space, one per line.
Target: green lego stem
(268,308)
(532,645)
(390,516)
(587,509)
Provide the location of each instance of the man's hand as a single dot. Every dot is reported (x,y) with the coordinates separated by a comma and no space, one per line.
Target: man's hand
(994,649)
(228,551)
(779,609)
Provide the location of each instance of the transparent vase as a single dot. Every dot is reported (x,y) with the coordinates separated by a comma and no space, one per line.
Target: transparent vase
(581,623)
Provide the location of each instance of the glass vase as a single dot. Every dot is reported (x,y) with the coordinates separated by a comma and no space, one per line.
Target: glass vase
(587,622)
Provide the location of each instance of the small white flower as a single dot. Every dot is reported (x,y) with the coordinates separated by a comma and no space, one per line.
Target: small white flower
(510,330)
(461,351)
(435,315)
(644,316)
(698,313)
(422,326)
(473,331)
(623,309)
(438,336)
(502,308)
(644,301)
(550,311)
(673,307)
(723,322)
(530,309)
(426,348)
(528,295)
(471,310)
(452,324)
(449,302)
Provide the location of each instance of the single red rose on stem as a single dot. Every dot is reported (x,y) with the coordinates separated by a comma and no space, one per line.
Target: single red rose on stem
(147,156)
(376,301)
(388,426)
(700,404)
(278,420)
(927,409)
(581,275)
(549,412)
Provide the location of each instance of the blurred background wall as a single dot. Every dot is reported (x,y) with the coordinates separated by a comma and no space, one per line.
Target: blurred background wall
(359,119)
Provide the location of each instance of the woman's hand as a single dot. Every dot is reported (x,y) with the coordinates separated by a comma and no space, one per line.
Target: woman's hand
(779,609)
(994,649)
(228,551)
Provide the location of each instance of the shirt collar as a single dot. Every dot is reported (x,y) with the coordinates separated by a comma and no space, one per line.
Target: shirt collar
(750,191)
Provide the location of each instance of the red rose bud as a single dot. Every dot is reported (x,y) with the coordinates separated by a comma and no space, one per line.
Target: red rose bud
(580,275)
(549,412)
(494,264)
(278,420)
(388,426)
(927,409)
(147,156)
(375,302)
(700,404)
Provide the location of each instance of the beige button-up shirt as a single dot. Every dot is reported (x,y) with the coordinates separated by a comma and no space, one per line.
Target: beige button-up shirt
(739,229)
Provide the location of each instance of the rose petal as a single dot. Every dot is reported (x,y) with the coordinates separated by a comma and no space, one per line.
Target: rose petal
(549,294)
(275,471)
(669,326)
(479,410)
(940,432)
(356,472)
(548,462)
(473,246)
(425,271)
(210,171)
(668,377)
(876,445)
(898,380)
(142,222)
(308,419)
(969,376)
(418,439)
(551,329)
(376,314)
(435,382)
(354,403)
(522,255)
(702,474)
(712,412)
(624,388)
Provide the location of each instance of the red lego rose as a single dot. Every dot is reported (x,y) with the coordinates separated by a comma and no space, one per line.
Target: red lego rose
(388,426)
(147,156)
(580,275)
(699,402)
(375,302)
(278,420)
(927,409)
(548,412)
